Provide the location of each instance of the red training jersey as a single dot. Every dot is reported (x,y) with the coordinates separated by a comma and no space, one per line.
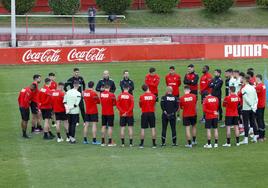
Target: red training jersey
(210,106)
(44,95)
(147,102)
(152,81)
(174,81)
(35,94)
(188,105)
(57,101)
(261,92)
(191,79)
(125,104)
(53,85)
(108,101)
(231,103)
(204,82)
(91,99)
(25,97)
(239,93)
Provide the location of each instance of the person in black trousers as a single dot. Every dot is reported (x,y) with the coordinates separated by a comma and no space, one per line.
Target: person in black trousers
(70,85)
(127,82)
(106,81)
(92,19)
(169,106)
(216,85)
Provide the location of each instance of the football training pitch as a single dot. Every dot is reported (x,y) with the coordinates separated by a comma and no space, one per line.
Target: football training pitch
(38,163)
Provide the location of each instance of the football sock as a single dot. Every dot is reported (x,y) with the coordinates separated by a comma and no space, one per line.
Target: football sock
(194,138)
(216,141)
(237,139)
(189,142)
(110,141)
(85,139)
(130,141)
(209,142)
(122,141)
(58,135)
(142,141)
(67,134)
(94,139)
(228,140)
(154,142)
(102,140)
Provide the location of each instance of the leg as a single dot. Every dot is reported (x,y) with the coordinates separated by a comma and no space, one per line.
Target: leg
(194,133)
(188,134)
(130,134)
(173,130)
(66,126)
(85,131)
(236,128)
(252,119)
(245,115)
(216,135)
(209,136)
(103,134)
(94,131)
(164,128)
(122,135)
(110,134)
(58,128)
(82,109)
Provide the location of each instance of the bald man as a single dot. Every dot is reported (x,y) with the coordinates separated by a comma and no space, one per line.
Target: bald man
(105,81)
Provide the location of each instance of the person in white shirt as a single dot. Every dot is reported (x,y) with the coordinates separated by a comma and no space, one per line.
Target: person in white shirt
(235,81)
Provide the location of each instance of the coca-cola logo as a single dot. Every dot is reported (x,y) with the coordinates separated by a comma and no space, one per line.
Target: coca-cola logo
(93,54)
(50,55)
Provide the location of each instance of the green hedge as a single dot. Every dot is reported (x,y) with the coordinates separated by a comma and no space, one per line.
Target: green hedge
(262,3)
(161,6)
(218,6)
(114,6)
(64,7)
(22,6)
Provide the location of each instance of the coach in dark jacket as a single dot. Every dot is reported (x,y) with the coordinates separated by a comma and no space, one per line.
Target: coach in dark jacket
(127,82)
(216,85)
(105,81)
(169,106)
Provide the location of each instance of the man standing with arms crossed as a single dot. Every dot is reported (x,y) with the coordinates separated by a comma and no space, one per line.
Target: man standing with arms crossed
(126,81)
(152,80)
(91,101)
(188,105)
(191,79)
(106,80)
(147,104)
(169,106)
(125,105)
(71,102)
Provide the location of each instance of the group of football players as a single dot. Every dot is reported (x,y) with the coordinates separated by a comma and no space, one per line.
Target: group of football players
(244,103)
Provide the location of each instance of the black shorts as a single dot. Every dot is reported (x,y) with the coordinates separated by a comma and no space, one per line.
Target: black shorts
(46,113)
(187,121)
(231,120)
(61,116)
(34,107)
(124,121)
(25,114)
(91,118)
(148,120)
(211,123)
(108,120)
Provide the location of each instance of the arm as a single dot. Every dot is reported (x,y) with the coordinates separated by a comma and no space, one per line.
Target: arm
(98,87)
(78,100)
(118,105)
(83,84)
(121,85)
(179,81)
(195,81)
(186,81)
(206,110)
(68,83)
(163,107)
(113,87)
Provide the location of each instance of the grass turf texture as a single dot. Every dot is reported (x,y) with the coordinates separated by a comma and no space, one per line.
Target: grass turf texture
(39,163)
(237,17)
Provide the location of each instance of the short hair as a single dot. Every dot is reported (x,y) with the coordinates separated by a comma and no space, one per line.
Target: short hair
(247,78)
(259,76)
(187,87)
(242,74)
(191,66)
(232,89)
(90,84)
(251,69)
(106,86)
(218,70)
(61,84)
(250,73)
(51,74)
(125,71)
(36,76)
(47,80)
(152,69)
(236,71)
(229,70)
(144,87)
(172,67)
(207,67)
(76,69)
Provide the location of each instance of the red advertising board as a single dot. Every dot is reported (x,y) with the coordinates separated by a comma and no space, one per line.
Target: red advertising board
(100,54)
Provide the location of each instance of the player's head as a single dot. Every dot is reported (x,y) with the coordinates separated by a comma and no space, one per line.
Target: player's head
(47,81)
(251,69)
(76,72)
(145,88)
(187,89)
(232,89)
(169,90)
(90,84)
(126,87)
(171,69)
(205,69)
(236,73)
(250,74)
(246,79)
(259,78)
(76,84)
(61,86)
(152,70)
(106,74)
(32,87)
(228,73)
(126,74)
(190,68)
(37,78)
(52,76)
(107,87)
(217,72)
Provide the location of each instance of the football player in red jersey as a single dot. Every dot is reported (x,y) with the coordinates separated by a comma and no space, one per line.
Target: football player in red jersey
(191,79)
(188,105)
(261,92)
(59,110)
(231,103)
(152,80)
(45,103)
(147,104)
(210,108)
(125,105)
(24,100)
(91,99)
(108,101)
(53,86)
(173,80)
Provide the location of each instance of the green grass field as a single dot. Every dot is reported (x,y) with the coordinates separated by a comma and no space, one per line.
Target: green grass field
(38,163)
